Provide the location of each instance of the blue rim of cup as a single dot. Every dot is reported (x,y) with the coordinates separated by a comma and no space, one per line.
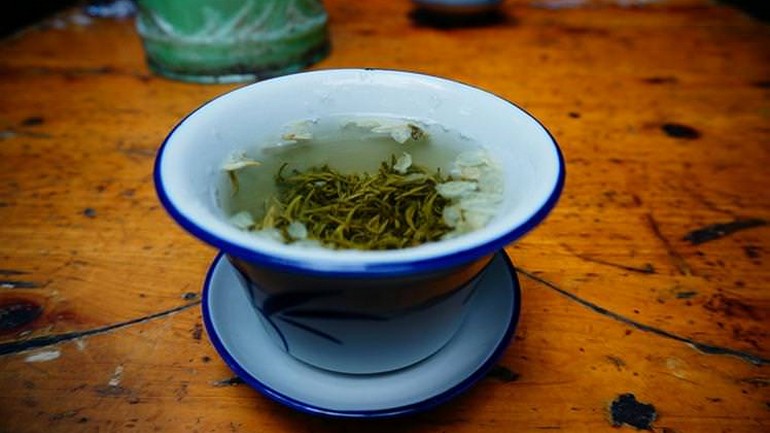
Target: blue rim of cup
(394,412)
(373,270)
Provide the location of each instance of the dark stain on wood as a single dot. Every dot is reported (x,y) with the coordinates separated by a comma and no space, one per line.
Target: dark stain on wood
(197,331)
(719,230)
(16,314)
(616,361)
(33,121)
(660,80)
(77,74)
(89,212)
(503,374)
(730,307)
(625,409)
(64,415)
(574,115)
(752,251)
(181,392)
(368,31)
(686,295)
(135,152)
(138,152)
(581,30)
(680,131)
(751,335)
(230,381)
(756,381)
(647,268)
(677,259)
(422,17)
(762,84)
(12,272)
(111,391)
(189,296)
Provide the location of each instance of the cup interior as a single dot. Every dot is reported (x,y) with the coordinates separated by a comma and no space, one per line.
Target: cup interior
(188,167)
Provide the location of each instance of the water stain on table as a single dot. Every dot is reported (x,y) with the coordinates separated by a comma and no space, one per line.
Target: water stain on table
(719,230)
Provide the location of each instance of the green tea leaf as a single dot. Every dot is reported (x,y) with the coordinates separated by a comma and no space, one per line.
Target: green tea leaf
(396,207)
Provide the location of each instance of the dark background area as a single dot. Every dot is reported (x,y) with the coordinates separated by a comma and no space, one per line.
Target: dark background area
(17,15)
(756,8)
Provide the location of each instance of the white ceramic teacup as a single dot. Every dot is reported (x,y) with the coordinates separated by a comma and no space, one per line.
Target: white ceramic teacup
(347,310)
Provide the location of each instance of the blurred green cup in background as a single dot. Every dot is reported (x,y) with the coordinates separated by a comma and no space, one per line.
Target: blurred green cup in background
(227,41)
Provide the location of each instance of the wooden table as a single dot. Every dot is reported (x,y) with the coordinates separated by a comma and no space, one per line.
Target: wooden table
(650,277)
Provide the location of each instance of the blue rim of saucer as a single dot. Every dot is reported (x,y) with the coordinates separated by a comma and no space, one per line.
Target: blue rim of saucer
(393,412)
(456,258)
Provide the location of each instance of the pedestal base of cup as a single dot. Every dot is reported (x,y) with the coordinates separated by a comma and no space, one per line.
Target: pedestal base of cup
(360,348)
(360,326)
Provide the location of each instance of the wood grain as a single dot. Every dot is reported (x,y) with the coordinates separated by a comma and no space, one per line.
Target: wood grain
(662,113)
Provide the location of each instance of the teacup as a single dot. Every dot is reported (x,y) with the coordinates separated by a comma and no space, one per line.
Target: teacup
(353,311)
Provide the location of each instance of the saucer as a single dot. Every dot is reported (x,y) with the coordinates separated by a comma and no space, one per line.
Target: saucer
(240,339)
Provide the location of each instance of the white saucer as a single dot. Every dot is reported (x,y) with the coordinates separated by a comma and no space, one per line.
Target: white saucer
(237,334)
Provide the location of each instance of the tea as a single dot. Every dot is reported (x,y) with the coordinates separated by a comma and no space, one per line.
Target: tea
(362,183)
